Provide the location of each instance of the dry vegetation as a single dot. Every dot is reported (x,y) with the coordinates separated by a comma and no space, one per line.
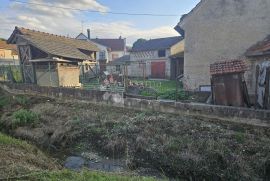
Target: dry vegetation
(186,147)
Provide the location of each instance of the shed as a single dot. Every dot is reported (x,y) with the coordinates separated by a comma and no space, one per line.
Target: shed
(228,84)
(51,60)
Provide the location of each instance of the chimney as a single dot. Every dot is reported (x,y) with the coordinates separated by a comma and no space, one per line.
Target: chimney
(88,34)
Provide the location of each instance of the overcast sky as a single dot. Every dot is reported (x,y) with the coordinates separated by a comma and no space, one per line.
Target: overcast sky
(102,25)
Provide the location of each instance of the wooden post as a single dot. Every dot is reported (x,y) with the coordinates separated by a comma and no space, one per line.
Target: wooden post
(50,73)
(144,70)
(256,86)
(266,94)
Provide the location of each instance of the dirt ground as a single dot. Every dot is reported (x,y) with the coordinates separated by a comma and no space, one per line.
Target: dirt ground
(187,147)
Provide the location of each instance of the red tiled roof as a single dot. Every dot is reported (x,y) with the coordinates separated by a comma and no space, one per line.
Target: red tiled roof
(261,48)
(228,66)
(4,45)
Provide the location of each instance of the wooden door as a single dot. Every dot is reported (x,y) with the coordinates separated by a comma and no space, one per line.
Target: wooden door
(158,70)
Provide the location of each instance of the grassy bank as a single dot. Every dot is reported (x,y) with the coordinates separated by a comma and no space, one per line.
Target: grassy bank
(19,158)
(22,161)
(67,175)
(182,146)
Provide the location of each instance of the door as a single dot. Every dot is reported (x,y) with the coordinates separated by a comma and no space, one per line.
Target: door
(158,70)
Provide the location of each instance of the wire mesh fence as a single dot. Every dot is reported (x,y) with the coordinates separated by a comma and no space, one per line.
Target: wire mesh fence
(91,77)
(11,73)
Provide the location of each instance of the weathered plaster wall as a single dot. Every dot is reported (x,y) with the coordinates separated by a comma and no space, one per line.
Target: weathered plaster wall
(221,29)
(68,76)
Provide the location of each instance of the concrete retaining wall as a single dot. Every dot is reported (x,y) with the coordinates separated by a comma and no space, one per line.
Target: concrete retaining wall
(116,99)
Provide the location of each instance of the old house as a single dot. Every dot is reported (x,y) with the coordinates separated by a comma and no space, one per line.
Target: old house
(157,58)
(51,60)
(220,29)
(102,55)
(8,54)
(117,47)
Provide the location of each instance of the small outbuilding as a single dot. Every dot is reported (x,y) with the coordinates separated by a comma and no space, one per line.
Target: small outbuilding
(228,83)
(51,60)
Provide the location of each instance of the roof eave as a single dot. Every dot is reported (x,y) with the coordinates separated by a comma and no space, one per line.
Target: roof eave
(257,54)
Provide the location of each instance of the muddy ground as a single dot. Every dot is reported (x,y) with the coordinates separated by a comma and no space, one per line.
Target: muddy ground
(186,147)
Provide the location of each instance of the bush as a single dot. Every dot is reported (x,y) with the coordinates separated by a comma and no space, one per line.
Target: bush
(23,118)
(22,100)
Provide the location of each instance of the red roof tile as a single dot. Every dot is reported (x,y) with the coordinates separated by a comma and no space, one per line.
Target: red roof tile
(228,66)
(261,48)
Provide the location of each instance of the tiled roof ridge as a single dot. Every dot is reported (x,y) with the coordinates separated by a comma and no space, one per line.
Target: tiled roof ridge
(228,66)
(41,32)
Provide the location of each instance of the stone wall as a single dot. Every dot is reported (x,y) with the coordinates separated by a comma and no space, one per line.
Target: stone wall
(218,30)
(255,117)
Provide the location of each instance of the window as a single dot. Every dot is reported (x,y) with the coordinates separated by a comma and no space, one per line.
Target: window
(162,53)
(117,68)
(115,56)
(102,55)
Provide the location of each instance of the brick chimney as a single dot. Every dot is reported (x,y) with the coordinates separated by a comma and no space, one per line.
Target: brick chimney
(88,34)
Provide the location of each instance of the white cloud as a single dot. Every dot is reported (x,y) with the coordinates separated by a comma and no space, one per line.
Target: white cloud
(67,22)
(50,7)
(129,31)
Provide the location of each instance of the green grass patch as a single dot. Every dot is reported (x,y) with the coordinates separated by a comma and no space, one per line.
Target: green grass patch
(165,89)
(239,137)
(67,175)
(7,140)
(22,100)
(160,86)
(24,117)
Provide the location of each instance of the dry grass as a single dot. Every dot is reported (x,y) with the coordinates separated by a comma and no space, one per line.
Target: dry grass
(179,146)
(18,158)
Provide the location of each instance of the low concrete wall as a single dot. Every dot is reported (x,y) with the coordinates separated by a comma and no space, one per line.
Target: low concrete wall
(66,93)
(116,99)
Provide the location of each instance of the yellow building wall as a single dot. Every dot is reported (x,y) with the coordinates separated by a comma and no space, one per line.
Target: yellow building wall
(178,48)
(68,76)
(7,54)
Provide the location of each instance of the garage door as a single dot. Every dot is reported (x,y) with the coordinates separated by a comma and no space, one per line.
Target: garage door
(158,70)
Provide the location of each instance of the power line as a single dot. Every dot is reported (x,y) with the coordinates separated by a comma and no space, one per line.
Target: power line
(95,11)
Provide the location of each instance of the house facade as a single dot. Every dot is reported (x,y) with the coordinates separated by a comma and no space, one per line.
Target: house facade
(51,60)
(102,56)
(8,54)
(117,47)
(217,30)
(152,58)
